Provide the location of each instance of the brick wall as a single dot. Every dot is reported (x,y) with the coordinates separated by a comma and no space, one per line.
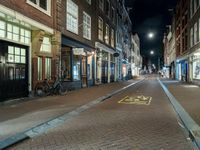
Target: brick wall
(26,9)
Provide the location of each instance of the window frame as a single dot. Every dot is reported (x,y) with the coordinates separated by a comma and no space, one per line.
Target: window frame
(87,26)
(112,42)
(74,16)
(45,45)
(100,29)
(48,66)
(37,5)
(107,33)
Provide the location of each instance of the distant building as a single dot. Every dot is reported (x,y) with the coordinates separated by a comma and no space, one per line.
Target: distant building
(136,59)
(170,52)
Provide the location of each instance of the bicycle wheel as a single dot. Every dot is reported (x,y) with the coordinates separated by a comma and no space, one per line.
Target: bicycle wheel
(42,90)
(62,90)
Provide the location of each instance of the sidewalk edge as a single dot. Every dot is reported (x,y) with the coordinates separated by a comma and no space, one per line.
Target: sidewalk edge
(189,123)
(43,127)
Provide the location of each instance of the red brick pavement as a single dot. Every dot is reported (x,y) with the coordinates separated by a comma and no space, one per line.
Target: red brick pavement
(113,126)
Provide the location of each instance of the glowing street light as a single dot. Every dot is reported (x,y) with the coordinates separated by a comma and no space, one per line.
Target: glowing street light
(151,52)
(151,35)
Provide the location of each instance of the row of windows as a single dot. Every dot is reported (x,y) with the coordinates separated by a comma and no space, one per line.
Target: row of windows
(109,11)
(108,38)
(45,5)
(72,20)
(15,33)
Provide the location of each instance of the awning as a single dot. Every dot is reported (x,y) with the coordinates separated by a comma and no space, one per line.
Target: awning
(76,44)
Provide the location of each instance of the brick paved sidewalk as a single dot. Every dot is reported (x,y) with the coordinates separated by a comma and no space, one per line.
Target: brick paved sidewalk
(188,96)
(24,115)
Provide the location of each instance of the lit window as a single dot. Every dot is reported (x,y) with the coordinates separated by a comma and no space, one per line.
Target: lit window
(100,29)
(72,17)
(112,38)
(76,68)
(25,36)
(89,67)
(39,68)
(16,55)
(46,45)
(107,34)
(16,33)
(86,26)
(2,29)
(43,5)
(48,68)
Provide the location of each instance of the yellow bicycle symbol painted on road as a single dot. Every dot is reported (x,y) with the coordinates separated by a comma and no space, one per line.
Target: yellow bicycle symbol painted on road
(138,100)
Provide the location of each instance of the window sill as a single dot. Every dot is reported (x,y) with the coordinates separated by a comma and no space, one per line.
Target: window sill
(47,12)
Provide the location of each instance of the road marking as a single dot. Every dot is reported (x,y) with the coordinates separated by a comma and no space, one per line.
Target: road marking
(138,100)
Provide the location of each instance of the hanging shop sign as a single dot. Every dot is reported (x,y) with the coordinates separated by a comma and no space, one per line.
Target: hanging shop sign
(116,54)
(78,51)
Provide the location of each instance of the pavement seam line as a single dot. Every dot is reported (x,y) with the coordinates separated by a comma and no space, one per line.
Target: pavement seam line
(189,123)
(45,126)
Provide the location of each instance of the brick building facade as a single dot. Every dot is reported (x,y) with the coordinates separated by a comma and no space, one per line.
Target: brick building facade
(30,45)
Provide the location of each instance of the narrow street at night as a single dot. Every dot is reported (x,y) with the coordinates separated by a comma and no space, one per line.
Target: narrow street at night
(113,124)
(99,74)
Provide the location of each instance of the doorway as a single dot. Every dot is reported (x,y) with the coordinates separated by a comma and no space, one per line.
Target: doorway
(13,70)
(84,71)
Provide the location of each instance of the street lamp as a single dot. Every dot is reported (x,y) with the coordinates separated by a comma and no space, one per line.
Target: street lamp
(152,52)
(151,35)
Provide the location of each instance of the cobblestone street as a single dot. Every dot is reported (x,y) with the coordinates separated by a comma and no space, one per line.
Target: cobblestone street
(113,125)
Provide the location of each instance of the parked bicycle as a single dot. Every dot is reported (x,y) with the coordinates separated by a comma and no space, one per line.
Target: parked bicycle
(45,88)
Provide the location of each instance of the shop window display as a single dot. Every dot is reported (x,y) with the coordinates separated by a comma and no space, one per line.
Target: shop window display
(66,63)
(196,69)
(76,68)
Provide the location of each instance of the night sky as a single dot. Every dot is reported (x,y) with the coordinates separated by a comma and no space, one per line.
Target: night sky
(151,16)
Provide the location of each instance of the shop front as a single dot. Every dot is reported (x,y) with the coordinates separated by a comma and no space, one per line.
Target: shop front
(182,70)
(196,68)
(105,64)
(77,64)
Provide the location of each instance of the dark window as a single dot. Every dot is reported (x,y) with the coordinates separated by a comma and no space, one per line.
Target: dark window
(11,73)
(107,5)
(34,1)
(43,4)
(17,73)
